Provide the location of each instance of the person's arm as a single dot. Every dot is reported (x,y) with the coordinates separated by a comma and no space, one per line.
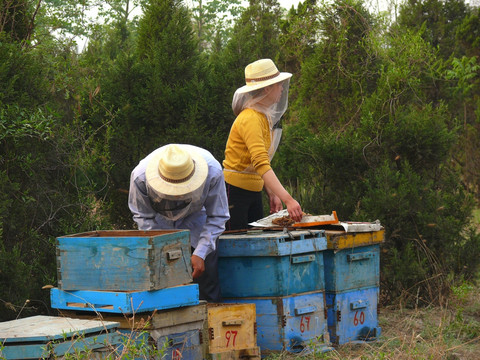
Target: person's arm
(275,202)
(216,207)
(273,184)
(198,265)
(252,131)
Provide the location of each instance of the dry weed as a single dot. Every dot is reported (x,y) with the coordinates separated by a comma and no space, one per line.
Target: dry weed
(450,333)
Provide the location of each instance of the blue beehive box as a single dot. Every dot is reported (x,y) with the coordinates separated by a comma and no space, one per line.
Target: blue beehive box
(185,345)
(271,263)
(124,260)
(166,330)
(135,345)
(352,268)
(181,333)
(290,323)
(125,302)
(352,316)
(40,337)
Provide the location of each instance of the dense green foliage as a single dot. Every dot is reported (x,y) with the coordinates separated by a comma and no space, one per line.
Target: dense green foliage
(383,122)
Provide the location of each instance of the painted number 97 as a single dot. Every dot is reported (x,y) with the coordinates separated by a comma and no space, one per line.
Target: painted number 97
(231,334)
(359,318)
(305,324)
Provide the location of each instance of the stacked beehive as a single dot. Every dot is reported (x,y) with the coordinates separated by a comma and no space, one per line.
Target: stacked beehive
(352,280)
(142,280)
(282,274)
(112,274)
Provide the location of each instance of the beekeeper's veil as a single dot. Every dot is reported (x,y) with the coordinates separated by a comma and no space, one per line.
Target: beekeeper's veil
(259,76)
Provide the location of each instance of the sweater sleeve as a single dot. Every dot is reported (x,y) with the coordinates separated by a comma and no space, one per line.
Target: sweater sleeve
(253,128)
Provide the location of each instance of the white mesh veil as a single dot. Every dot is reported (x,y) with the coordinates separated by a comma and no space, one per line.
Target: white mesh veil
(174,207)
(265,101)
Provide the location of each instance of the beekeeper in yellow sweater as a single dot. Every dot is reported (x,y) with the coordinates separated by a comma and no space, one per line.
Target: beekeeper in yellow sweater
(252,142)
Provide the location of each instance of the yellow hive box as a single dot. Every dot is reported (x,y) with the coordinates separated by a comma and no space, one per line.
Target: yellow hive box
(231,328)
(339,239)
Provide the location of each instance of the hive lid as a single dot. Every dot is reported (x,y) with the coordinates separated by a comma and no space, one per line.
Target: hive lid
(307,220)
(355,226)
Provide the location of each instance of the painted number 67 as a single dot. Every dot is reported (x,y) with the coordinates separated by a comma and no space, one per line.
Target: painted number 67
(305,324)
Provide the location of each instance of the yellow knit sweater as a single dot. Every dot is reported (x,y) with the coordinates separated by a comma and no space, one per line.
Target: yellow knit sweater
(247,144)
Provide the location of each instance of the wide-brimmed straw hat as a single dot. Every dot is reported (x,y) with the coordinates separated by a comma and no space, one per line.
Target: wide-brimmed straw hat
(260,74)
(176,170)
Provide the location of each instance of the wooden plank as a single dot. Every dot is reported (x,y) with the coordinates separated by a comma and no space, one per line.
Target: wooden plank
(337,240)
(159,332)
(180,316)
(125,302)
(47,328)
(150,320)
(24,351)
(122,233)
(141,321)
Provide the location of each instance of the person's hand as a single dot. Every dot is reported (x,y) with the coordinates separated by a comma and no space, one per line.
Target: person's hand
(198,265)
(294,210)
(275,203)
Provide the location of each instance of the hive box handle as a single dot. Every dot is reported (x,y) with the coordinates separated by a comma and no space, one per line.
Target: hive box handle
(305,310)
(359,304)
(174,254)
(359,256)
(232,323)
(303,258)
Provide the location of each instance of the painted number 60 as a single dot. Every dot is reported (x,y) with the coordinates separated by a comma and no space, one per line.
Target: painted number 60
(359,318)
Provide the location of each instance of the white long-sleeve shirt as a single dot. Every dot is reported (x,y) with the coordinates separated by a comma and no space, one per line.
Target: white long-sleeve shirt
(206,218)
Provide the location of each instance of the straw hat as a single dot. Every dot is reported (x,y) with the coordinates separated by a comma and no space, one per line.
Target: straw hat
(176,170)
(260,74)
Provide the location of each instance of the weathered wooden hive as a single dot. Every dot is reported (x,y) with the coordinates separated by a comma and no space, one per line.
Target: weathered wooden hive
(282,274)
